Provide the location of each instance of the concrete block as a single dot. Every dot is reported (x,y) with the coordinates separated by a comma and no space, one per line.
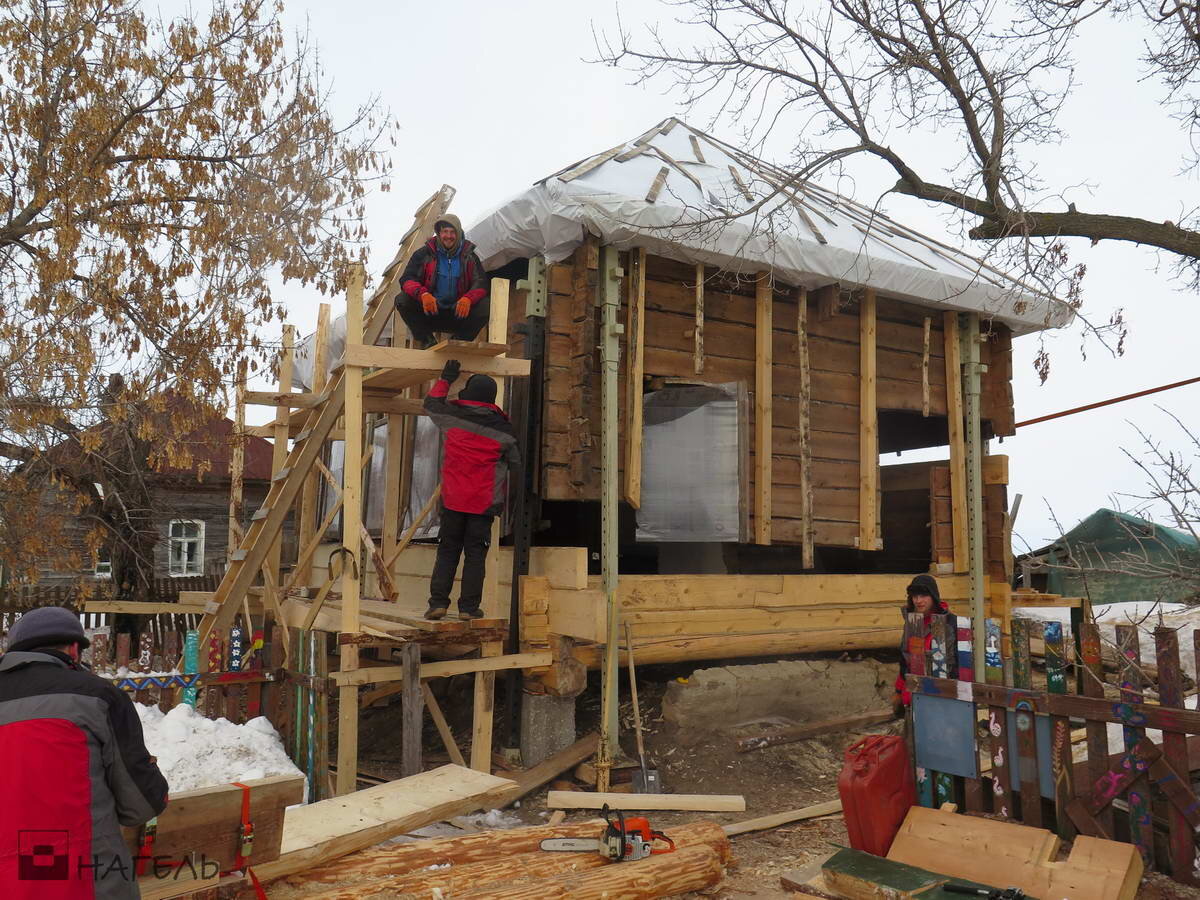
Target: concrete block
(547,726)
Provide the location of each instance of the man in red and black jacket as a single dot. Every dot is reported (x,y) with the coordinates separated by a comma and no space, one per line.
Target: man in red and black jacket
(480,448)
(73,768)
(444,287)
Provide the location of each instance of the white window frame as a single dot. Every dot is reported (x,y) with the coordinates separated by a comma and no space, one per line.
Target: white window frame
(102,568)
(171,541)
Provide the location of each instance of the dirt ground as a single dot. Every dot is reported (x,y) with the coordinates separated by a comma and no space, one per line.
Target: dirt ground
(772,780)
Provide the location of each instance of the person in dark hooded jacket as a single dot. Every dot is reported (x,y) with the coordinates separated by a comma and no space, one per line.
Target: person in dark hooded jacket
(73,768)
(444,287)
(479,451)
(925,598)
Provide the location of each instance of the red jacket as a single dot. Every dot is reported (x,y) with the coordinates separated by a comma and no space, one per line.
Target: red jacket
(480,448)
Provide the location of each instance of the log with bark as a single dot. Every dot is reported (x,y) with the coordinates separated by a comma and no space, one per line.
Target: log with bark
(814,729)
(484,858)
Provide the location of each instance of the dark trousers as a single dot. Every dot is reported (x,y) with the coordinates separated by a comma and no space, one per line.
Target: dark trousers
(468,535)
(423,326)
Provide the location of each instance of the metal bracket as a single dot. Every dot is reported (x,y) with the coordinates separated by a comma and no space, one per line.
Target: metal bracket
(536,287)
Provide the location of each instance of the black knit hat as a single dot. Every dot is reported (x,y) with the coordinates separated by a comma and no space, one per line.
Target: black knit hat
(479,388)
(925,584)
(46,626)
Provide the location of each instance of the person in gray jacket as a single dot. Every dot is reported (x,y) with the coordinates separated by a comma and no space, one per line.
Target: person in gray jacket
(74,768)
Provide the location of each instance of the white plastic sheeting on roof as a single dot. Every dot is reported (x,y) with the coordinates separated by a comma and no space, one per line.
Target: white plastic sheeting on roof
(671,191)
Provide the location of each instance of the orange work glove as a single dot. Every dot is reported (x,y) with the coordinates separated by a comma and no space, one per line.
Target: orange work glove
(429,303)
(462,309)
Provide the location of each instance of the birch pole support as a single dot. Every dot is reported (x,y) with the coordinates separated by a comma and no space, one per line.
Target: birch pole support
(312,482)
(237,463)
(497,334)
(804,427)
(762,408)
(958,465)
(635,343)
(279,452)
(868,425)
(610,277)
(351,537)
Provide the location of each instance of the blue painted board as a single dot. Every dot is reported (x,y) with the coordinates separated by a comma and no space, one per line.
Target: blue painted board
(945,735)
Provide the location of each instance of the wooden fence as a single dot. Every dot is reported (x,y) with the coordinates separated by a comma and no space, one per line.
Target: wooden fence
(1009,748)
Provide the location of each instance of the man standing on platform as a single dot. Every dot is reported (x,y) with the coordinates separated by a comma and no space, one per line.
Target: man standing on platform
(444,287)
(73,768)
(479,451)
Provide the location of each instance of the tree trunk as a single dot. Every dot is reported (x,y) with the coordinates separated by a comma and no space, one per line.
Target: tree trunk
(486,857)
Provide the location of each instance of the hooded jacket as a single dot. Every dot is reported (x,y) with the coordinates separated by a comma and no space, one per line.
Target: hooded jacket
(73,769)
(480,449)
(420,274)
(926,584)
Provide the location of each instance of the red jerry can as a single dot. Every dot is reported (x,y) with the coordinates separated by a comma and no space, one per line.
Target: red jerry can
(877,791)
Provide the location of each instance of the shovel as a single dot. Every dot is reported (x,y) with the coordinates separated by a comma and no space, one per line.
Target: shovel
(645,781)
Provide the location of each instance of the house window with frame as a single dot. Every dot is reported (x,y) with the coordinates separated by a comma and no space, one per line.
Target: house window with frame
(103,567)
(185,547)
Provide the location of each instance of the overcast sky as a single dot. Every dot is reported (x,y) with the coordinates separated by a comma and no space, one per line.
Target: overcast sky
(493,96)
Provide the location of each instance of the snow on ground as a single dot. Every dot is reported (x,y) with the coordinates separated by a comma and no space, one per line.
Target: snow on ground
(1145,614)
(195,752)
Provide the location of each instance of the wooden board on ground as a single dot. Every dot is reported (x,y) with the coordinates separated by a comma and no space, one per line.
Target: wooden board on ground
(694,802)
(320,832)
(205,822)
(792,815)
(1018,855)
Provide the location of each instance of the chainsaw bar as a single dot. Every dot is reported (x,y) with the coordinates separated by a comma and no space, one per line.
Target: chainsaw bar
(572,844)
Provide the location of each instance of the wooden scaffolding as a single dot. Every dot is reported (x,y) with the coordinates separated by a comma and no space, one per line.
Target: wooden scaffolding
(370,380)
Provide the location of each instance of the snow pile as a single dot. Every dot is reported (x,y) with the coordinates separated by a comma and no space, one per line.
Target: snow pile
(492,819)
(195,752)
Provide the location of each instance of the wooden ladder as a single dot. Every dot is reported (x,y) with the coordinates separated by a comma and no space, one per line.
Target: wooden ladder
(265,524)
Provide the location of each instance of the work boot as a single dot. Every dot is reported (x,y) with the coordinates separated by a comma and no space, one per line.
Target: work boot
(435,612)
(466,614)
(426,343)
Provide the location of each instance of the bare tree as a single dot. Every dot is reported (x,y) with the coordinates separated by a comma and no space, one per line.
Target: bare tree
(854,77)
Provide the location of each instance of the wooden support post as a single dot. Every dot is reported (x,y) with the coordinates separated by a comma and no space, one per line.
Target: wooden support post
(351,538)
(1061,768)
(493,605)
(804,430)
(279,451)
(925,369)
(394,500)
(1175,751)
(1097,732)
(609,298)
(958,462)
(868,429)
(1141,825)
(762,408)
(237,463)
(412,708)
(485,708)
(309,503)
(698,355)
(635,346)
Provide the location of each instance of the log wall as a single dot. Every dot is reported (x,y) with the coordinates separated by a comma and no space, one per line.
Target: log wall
(570,452)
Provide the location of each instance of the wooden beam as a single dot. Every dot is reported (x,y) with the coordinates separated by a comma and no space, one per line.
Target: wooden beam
(493,663)
(698,361)
(485,708)
(396,487)
(687,802)
(279,448)
(762,823)
(958,446)
(803,429)
(762,409)
(868,429)
(428,363)
(635,350)
(443,727)
(813,729)
(412,710)
(137,608)
(307,533)
(352,562)
(497,334)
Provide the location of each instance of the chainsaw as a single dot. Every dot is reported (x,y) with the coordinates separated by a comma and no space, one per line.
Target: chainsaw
(623,839)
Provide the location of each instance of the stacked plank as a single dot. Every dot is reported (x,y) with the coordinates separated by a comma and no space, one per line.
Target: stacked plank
(510,864)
